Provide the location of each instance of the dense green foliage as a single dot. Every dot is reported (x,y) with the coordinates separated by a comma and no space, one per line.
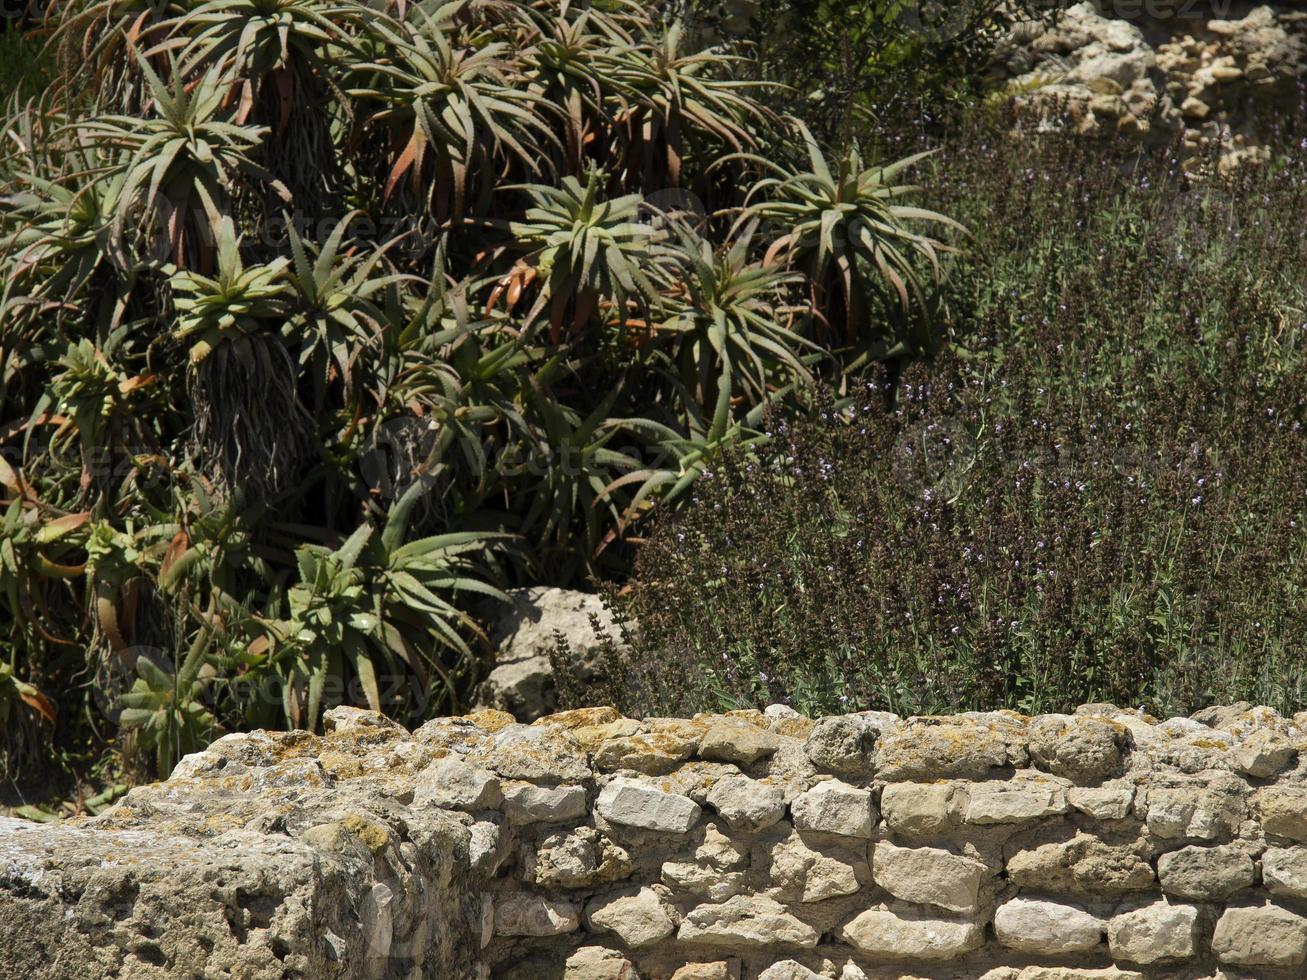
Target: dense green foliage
(1099,493)
(320,322)
(887,59)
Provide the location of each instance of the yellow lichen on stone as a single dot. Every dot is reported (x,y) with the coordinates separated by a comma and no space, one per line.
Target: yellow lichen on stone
(374,836)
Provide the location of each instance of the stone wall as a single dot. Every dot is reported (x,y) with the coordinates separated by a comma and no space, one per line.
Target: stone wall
(588,846)
(1204,74)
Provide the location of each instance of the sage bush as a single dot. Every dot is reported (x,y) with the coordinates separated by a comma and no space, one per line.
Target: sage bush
(1098,492)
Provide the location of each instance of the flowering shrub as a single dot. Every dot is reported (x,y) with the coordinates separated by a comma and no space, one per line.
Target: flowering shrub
(1099,493)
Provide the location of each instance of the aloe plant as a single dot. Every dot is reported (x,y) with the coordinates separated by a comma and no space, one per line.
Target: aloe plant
(452,113)
(843,226)
(376,604)
(165,709)
(179,166)
(584,248)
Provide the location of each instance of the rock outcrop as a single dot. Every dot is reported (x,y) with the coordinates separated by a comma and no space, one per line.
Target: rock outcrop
(525,633)
(1221,75)
(1103,845)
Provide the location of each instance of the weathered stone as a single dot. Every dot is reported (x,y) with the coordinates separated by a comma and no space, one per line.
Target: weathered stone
(1195,812)
(809,874)
(1264,754)
(637,804)
(486,848)
(524,634)
(925,749)
(1260,935)
(909,935)
(638,919)
(714,970)
(544,755)
(700,881)
(835,807)
(743,921)
(1083,864)
(526,803)
(1047,928)
(1103,803)
(842,745)
(452,782)
(1153,934)
(923,809)
(1086,750)
(738,742)
(715,872)
(520,914)
(577,719)
(94,901)
(577,858)
(747,805)
(651,753)
(1284,871)
(1207,874)
(1014,802)
(345,718)
(599,963)
(789,970)
(928,876)
(1283,810)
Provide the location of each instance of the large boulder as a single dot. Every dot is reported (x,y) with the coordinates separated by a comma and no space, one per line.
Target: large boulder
(525,633)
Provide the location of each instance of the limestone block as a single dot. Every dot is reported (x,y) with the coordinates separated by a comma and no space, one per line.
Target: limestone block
(526,803)
(747,921)
(547,755)
(928,876)
(1104,802)
(1284,871)
(452,782)
(972,747)
(923,809)
(1087,750)
(747,805)
(1206,874)
(638,919)
(842,745)
(835,807)
(1283,810)
(1014,801)
(650,753)
(1260,935)
(577,858)
(737,741)
(633,803)
(1193,811)
(599,963)
(487,847)
(910,935)
(1264,754)
(808,874)
(1082,865)
(1154,934)
(1047,928)
(789,970)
